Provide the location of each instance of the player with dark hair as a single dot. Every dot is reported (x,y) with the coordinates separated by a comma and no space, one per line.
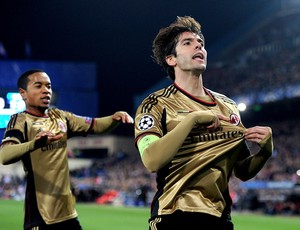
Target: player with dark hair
(38,137)
(193,137)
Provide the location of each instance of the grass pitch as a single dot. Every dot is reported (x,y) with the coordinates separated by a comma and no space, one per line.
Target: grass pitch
(96,217)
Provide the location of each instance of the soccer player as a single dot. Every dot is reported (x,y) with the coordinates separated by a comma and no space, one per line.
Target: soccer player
(38,137)
(193,137)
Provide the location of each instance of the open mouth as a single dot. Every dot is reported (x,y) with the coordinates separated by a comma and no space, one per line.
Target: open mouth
(198,56)
(46,99)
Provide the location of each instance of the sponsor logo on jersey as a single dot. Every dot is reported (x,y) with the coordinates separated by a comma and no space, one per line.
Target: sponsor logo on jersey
(146,122)
(37,123)
(205,137)
(54,145)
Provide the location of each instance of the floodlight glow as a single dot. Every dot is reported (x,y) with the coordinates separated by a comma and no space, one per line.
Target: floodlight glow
(242,106)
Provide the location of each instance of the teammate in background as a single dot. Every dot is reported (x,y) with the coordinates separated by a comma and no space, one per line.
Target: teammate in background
(193,137)
(38,137)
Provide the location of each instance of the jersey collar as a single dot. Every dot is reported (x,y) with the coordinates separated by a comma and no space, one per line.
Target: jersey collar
(206,103)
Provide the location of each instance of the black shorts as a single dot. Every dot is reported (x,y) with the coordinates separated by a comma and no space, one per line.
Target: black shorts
(72,224)
(189,220)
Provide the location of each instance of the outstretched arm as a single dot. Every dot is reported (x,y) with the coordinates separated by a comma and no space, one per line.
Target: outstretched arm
(107,124)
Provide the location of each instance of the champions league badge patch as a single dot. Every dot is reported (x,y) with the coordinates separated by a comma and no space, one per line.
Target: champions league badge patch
(146,122)
(234,119)
(88,120)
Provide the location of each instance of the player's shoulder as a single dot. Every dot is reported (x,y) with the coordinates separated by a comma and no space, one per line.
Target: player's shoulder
(158,97)
(162,93)
(221,96)
(57,113)
(16,119)
(55,110)
(18,116)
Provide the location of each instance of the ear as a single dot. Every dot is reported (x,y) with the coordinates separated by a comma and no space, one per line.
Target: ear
(171,60)
(22,93)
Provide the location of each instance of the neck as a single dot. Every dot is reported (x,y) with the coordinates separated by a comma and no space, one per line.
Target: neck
(41,112)
(191,84)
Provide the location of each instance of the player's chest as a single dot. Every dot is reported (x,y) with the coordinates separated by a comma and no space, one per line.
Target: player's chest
(177,112)
(45,124)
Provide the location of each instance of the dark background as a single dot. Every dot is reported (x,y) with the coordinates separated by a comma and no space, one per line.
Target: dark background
(115,34)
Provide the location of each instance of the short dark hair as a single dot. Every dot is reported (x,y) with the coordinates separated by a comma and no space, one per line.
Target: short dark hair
(23,79)
(165,41)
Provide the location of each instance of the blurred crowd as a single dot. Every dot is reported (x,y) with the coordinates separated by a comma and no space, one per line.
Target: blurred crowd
(123,180)
(267,60)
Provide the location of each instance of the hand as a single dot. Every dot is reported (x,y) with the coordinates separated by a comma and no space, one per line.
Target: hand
(124,117)
(217,121)
(261,135)
(44,138)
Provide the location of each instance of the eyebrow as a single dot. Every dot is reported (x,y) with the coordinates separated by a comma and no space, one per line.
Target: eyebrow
(41,83)
(186,39)
(191,39)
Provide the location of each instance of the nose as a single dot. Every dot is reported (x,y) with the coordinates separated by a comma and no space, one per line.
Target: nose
(46,89)
(198,46)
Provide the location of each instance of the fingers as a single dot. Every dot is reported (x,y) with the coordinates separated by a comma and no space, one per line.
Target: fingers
(223,118)
(124,117)
(257,133)
(56,137)
(217,122)
(46,137)
(127,119)
(214,125)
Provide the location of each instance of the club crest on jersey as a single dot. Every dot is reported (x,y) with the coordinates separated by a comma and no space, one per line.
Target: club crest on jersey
(234,119)
(146,122)
(62,126)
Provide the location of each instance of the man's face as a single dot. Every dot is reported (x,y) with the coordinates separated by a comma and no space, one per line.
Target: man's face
(190,53)
(37,97)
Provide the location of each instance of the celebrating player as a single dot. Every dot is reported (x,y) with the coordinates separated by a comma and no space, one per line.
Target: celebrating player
(193,137)
(38,137)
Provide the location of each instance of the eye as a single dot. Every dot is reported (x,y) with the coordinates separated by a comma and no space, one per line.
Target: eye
(201,42)
(186,43)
